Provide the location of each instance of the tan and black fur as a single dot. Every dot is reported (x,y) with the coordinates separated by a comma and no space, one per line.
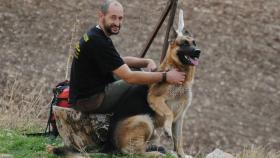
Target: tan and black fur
(170,103)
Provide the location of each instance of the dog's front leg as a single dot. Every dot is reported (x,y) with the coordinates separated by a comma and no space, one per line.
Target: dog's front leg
(163,111)
(178,136)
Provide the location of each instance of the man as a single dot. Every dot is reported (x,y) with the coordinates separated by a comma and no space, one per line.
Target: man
(93,88)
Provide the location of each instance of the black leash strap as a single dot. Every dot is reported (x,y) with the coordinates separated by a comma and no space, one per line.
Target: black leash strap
(48,127)
(47,131)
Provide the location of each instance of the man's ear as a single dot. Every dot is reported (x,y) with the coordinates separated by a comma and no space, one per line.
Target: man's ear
(100,14)
(172,35)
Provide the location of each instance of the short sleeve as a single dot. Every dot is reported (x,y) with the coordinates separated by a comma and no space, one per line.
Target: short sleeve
(105,55)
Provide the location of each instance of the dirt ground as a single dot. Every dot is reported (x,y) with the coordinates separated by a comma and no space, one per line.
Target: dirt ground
(237,89)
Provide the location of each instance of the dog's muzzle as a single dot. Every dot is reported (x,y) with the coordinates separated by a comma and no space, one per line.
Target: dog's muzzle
(188,55)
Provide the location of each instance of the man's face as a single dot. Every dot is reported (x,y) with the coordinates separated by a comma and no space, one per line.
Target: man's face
(112,20)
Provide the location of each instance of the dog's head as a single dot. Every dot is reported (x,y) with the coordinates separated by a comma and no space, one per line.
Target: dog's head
(183,49)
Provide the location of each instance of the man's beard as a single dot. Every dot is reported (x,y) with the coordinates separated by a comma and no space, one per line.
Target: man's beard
(108,29)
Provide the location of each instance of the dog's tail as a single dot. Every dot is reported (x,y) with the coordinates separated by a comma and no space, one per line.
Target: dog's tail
(131,134)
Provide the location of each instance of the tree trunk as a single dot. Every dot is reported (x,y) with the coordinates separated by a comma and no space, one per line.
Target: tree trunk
(81,131)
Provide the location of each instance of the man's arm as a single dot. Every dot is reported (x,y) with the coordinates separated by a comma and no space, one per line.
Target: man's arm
(140,63)
(140,77)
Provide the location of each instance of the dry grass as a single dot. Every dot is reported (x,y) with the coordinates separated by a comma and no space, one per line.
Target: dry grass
(258,153)
(22,107)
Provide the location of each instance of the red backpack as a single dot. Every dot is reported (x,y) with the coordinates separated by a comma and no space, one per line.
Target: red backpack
(60,98)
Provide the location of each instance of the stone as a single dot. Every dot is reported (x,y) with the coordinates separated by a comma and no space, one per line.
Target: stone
(217,153)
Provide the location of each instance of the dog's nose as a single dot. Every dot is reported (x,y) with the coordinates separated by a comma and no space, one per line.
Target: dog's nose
(197,52)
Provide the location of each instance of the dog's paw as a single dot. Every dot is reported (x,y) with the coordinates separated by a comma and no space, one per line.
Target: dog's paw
(168,133)
(157,148)
(173,154)
(184,156)
(168,128)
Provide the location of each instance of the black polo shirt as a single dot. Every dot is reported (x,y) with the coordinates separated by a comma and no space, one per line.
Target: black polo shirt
(94,60)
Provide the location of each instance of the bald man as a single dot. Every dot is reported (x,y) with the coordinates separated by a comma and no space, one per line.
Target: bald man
(93,88)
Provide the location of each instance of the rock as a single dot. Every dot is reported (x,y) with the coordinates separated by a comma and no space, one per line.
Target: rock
(217,153)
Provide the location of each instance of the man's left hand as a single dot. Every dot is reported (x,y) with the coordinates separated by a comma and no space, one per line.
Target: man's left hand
(151,65)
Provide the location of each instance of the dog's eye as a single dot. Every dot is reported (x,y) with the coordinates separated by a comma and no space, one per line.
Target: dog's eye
(185,43)
(194,43)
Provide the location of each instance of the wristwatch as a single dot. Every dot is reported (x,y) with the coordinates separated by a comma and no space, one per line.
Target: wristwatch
(164,74)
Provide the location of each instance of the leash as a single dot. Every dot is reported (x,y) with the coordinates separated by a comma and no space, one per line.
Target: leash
(47,132)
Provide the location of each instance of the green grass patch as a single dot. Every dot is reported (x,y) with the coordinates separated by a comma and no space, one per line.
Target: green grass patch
(16,144)
(20,146)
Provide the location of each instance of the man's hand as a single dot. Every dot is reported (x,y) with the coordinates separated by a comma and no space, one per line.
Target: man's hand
(175,77)
(151,65)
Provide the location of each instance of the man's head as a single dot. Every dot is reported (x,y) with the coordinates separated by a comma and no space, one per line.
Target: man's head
(111,17)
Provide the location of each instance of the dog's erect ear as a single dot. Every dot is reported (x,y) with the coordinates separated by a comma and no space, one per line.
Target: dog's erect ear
(181,23)
(172,35)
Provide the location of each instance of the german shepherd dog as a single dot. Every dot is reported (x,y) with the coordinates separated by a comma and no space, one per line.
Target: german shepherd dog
(168,102)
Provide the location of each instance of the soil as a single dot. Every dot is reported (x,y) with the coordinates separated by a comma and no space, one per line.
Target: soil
(237,88)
